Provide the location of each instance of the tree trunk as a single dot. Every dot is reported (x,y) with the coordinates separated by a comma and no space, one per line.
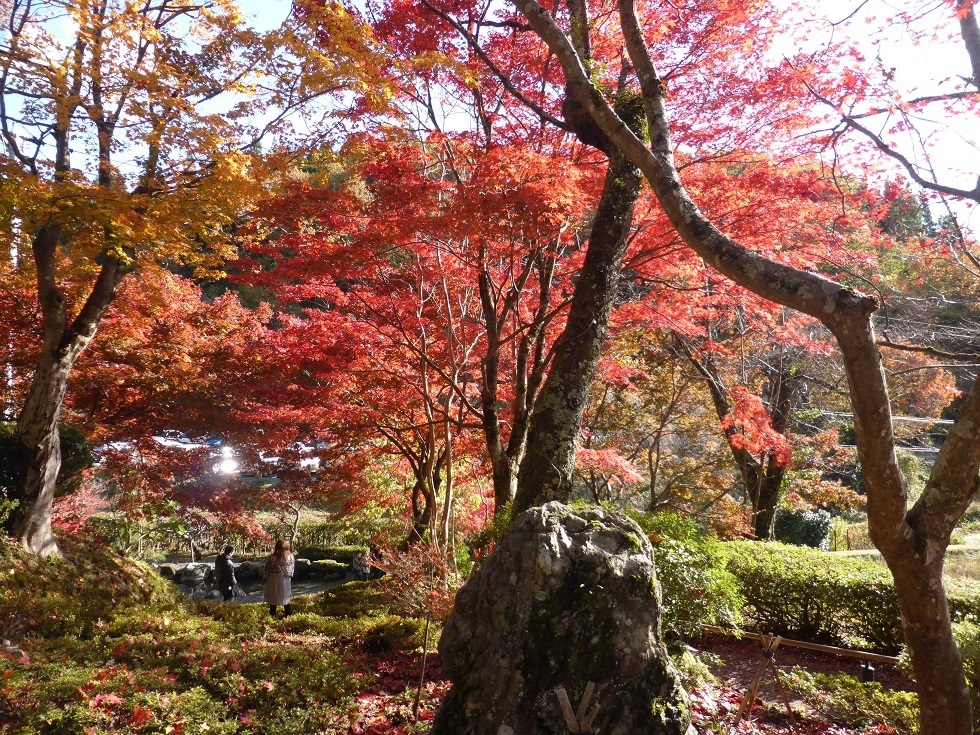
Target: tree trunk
(421,513)
(770,487)
(505,460)
(780,394)
(944,697)
(504,474)
(40,445)
(37,424)
(546,470)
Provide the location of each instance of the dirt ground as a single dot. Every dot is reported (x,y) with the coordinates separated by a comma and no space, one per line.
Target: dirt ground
(716,706)
(740,661)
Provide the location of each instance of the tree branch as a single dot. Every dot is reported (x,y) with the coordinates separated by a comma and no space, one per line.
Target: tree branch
(932,351)
(913,172)
(504,80)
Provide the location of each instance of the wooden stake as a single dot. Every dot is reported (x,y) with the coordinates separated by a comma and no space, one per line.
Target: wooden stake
(578,722)
(769,645)
(583,705)
(566,709)
(782,691)
(425,655)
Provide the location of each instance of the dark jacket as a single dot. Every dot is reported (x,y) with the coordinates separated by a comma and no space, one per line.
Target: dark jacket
(224,572)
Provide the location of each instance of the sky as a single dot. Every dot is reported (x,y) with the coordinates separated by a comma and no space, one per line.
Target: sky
(933,61)
(924,67)
(266,14)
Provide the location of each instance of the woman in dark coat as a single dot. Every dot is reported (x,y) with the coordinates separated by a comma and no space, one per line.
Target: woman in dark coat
(279,568)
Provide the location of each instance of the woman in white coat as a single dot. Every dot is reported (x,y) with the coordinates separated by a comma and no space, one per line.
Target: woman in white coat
(279,568)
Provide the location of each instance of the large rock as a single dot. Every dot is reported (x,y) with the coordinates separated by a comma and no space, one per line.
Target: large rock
(568,597)
(195,575)
(329,569)
(303,568)
(249,571)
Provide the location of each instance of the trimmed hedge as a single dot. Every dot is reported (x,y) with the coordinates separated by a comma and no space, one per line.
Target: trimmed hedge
(808,594)
(968,639)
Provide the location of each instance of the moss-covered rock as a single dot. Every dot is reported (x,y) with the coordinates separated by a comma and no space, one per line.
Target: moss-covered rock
(567,598)
(329,569)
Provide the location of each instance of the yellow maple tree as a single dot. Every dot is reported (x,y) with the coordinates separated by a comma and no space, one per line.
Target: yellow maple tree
(134,134)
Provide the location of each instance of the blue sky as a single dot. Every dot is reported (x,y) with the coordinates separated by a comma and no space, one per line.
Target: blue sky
(266,14)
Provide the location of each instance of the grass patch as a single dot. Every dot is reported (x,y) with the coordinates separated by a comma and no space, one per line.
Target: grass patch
(110,647)
(844,700)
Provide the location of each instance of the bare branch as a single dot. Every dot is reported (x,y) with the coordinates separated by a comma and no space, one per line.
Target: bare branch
(913,172)
(503,78)
(931,351)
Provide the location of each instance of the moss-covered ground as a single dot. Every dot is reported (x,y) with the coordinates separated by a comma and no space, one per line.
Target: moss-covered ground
(102,644)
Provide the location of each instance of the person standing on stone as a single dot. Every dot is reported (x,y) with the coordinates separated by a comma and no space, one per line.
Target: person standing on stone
(279,568)
(224,573)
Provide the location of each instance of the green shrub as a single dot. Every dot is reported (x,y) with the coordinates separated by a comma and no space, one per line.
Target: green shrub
(803,527)
(809,594)
(844,700)
(371,524)
(693,666)
(696,588)
(479,545)
(968,639)
(845,536)
(963,597)
(970,520)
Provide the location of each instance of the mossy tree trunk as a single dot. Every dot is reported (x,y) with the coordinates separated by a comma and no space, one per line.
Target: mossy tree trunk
(548,463)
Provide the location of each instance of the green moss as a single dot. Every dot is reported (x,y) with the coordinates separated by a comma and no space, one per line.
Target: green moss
(628,104)
(555,644)
(642,585)
(396,634)
(844,700)
(114,648)
(351,600)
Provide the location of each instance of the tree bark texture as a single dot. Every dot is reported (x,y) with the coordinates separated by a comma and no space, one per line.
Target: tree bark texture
(40,448)
(913,543)
(529,371)
(549,460)
(502,465)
